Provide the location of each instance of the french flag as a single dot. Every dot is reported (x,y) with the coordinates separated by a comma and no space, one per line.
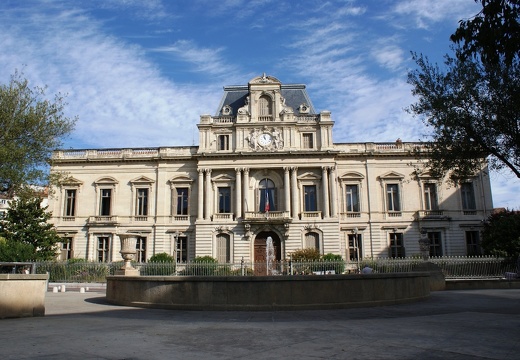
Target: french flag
(266,208)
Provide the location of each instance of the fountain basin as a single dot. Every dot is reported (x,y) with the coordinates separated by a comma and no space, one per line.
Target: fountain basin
(302,292)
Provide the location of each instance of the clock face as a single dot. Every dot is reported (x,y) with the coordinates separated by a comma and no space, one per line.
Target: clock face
(264,139)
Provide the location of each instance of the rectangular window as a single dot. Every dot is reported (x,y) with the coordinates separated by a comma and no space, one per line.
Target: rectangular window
(182,201)
(435,243)
(142,202)
(70,202)
(473,243)
(354,247)
(140,247)
(352,198)
(308,141)
(104,209)
(312,241)
(66,249)
(396,249)
(103,247)
(392,197)
(468,196)
(223,248)
(181,249)
(430,197)
(224,199)
(223,142)
(309,197)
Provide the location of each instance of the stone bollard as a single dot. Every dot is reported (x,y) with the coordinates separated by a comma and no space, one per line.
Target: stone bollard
(54,289)
(82,290)
(63,289)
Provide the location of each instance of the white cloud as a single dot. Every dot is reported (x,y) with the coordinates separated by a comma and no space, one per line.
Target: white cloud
(207,60)
(425,13)
(123,99)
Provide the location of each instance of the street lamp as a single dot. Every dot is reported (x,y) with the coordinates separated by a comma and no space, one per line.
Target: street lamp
(395,243)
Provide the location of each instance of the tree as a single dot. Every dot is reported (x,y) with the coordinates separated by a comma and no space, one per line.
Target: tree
(28,234)
(501,234)
(31,128)
(472,107)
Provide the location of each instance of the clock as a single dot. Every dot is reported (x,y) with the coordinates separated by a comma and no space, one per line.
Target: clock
(264,139)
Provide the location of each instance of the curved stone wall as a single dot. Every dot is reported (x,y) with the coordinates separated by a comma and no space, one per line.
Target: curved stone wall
(267,293)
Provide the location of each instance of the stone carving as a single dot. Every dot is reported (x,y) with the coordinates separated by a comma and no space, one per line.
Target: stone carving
(265,139)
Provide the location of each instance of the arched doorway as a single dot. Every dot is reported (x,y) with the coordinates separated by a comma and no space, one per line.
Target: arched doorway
(260,251)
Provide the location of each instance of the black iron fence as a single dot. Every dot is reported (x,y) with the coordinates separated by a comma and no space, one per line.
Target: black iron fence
(452,267)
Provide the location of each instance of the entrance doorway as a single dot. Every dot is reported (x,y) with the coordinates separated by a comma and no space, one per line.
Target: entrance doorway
(260,251)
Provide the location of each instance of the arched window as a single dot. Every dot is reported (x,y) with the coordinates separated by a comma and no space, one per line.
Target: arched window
(267,196)
(265,106)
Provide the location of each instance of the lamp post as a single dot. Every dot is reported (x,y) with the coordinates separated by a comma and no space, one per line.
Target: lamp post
(395,243)
(424,244)
(175,245)
(356,241)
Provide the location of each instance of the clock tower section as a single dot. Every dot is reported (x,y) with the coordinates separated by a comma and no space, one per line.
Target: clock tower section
(265,116)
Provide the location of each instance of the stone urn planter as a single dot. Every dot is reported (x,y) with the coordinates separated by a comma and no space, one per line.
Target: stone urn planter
(128,252)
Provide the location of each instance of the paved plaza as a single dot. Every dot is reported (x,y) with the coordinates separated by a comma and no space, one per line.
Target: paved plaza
(482,324)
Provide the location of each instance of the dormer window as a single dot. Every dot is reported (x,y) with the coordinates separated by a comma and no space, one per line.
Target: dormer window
(265,108)
(227,110)
(303,109)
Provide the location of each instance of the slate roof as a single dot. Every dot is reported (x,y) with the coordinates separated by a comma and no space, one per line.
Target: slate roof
(294,94)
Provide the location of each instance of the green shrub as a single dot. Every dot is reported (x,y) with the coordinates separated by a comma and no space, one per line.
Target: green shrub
(308,254)
(162,258)
(161,264)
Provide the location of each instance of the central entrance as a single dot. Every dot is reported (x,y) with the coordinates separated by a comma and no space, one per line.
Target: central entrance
(260,251)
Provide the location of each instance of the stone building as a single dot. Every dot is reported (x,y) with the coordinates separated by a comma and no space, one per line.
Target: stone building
(265,166)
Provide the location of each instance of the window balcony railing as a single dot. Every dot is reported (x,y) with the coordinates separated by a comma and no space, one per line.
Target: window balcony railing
(68,218)
(432,214)
(223,217)
(394,214)
(141,218)
(311,215)
(180,218)
(265,118)
(351,215)
(223,120)
(470,212)
(271,215)
(103,219)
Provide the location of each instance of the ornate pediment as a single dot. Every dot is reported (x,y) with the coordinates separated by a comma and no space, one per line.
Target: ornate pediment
(142,180)
(392,175)
(352,175)
(223,178)
(106,180)
(309,176)
(264,79)
(71,181)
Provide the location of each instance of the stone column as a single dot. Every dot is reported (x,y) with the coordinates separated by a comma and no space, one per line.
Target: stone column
(287,189)
(200,209)
(207,196)
(238,189)
(294,193)
(333,193)
(325,188)
(245,192)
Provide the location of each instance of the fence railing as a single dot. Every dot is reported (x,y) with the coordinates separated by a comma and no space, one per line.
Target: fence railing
(452,267)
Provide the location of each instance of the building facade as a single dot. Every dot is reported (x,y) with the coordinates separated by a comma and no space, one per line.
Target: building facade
(266,166)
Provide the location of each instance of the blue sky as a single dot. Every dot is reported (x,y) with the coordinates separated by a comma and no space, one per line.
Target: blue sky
(140,73)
